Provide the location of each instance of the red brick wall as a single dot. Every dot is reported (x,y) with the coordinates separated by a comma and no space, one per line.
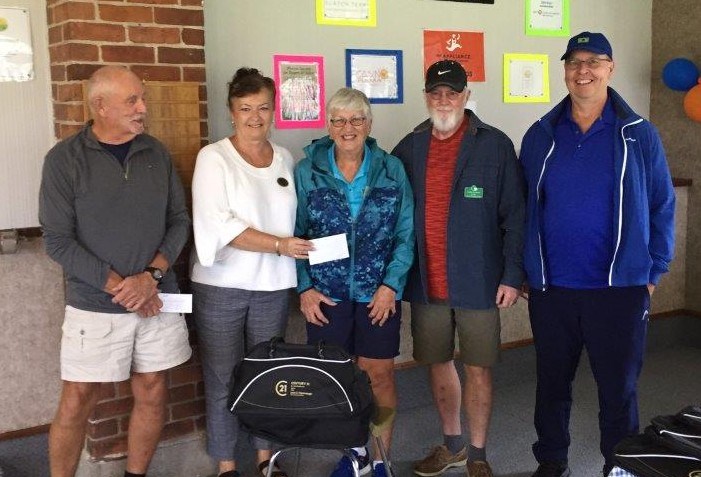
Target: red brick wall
(160,40)
(109,423)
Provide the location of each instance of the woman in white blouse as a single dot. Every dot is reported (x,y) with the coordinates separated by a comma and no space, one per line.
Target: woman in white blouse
(244,206)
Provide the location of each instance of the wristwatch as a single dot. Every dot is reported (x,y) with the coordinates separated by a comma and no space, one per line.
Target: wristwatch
(156,273)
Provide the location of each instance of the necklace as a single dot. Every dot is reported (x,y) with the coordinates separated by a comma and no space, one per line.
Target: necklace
(260,160)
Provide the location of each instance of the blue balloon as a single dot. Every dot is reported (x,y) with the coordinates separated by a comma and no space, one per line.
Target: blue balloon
(680,74)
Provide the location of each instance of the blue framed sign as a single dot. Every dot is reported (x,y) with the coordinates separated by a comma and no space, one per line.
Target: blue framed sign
(377,73)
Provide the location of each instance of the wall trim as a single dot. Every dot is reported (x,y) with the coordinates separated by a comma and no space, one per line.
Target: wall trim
(28,432)
(675,313)
(32,431)
(528,342)
(682,182)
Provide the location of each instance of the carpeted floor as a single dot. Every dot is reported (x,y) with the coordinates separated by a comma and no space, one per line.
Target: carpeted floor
(669,382)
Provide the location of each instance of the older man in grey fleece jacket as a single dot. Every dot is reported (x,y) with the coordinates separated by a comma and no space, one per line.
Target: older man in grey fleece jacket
(114,217)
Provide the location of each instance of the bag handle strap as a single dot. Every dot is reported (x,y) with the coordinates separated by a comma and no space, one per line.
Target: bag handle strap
(274,341)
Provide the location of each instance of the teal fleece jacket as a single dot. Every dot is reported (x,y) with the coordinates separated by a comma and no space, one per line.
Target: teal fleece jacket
(380,239)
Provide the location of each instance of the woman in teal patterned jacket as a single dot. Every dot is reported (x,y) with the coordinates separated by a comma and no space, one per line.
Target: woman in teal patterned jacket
(347,185)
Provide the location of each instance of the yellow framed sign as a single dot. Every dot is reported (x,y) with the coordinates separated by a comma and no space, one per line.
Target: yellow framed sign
(526,78)
(360,13)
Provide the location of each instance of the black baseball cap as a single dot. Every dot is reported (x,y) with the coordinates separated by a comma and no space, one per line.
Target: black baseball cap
(594,42)
(446,73)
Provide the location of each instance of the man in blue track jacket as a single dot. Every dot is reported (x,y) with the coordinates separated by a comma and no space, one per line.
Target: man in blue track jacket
(599,234)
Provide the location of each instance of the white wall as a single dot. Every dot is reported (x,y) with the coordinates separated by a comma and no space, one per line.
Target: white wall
(31,313)
(249,32)
(26,128)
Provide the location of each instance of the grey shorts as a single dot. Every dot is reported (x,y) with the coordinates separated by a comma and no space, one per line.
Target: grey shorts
(106,347)
(433,328)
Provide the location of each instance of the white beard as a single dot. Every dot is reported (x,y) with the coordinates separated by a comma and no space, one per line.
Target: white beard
(445,124)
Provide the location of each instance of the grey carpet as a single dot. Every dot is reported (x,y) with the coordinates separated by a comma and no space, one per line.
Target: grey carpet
(668,383)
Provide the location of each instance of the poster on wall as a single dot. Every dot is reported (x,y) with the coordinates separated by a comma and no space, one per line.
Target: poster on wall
(346,12)
(16,54)
(300,91)
(377,73)
(526,78)
(465,47)
(548,17)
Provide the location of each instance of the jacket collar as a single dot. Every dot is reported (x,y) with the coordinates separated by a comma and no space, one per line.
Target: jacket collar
(138,144)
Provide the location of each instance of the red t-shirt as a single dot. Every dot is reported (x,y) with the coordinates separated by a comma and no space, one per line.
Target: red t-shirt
(440,169)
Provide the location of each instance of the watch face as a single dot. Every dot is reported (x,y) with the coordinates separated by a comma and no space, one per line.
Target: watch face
(156,273)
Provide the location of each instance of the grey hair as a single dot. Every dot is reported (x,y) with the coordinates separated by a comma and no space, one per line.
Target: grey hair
(351,100)
(101,83)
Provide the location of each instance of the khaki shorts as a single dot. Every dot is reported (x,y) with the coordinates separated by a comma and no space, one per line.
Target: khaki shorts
(433,329)
(106,347)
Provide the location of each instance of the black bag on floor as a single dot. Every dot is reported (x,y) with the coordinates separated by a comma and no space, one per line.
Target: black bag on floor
(643,456)
(302,395)
(677,435)
(690,415)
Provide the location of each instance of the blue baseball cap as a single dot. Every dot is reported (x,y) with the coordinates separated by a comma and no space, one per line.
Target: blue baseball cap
(594,42)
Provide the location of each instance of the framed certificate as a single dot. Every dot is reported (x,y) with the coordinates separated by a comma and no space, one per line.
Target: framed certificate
(377,73)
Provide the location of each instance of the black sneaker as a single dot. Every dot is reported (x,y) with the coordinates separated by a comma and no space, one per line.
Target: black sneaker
(552,469)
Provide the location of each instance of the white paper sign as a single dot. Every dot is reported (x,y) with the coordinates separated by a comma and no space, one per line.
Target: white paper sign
(347,9)
(375,75)
(526,78)
(176,302)
(16,54)
(333,247)
(546,14)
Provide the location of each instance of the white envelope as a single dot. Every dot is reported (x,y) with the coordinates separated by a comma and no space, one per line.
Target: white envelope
(176,302)
(333,247)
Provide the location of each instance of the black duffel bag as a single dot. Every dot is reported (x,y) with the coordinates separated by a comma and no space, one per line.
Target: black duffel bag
(691,415)
(644,456)
(302,395)
(677,435)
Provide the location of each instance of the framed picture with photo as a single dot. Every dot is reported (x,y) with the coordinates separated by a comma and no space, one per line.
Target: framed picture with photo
(299,81)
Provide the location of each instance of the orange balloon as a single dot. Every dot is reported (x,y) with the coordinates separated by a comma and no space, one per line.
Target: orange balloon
(692,103)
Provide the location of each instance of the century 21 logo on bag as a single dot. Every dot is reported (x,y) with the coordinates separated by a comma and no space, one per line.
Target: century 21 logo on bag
(281,388)
(293,388)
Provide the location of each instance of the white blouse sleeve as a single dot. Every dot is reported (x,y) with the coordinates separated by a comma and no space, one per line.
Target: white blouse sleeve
(213,220)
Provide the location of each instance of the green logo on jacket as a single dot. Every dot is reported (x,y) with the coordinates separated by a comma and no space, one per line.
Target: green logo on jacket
(474,192)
